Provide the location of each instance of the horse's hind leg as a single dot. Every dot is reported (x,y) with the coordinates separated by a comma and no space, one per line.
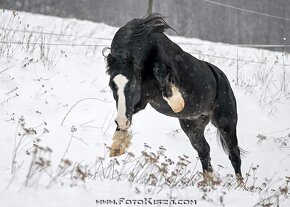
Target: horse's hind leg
(194,129)
(225,119)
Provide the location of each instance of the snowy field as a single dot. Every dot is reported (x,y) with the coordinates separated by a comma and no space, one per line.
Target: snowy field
(57,122)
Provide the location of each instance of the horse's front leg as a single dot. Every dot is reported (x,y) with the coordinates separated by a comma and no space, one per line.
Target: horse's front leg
(170,92)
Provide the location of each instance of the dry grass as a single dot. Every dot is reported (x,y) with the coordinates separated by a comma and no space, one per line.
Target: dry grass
(153,169)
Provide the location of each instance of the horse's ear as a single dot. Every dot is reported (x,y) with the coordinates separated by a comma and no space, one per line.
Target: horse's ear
(110,60)
(107,55)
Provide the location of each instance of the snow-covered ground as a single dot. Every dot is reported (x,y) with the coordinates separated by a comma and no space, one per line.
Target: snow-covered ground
(56,123)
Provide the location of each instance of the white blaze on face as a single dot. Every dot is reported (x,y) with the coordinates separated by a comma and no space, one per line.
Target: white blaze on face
(121,119)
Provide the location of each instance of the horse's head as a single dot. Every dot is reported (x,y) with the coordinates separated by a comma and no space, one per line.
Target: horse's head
(128,43)
(126,89)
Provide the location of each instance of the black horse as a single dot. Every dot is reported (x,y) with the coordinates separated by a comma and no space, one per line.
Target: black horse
(145,66)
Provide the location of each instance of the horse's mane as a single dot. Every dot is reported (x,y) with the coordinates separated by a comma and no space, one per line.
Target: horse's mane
(136,30)
(130,36)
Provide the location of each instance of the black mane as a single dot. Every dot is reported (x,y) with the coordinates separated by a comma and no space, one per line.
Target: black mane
(137,30)
(129,38)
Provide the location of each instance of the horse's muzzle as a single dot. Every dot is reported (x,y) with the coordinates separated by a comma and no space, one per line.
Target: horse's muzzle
(122,123)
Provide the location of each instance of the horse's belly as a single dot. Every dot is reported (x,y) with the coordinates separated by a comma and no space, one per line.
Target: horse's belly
(162,107)
(191,110)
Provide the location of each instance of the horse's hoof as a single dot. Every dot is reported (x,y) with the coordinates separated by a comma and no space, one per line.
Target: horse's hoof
(209,179)
(121,142)
(176,101)
(115,152)
(240,181)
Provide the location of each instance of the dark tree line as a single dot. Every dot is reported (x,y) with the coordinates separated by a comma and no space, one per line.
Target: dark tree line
(191,18)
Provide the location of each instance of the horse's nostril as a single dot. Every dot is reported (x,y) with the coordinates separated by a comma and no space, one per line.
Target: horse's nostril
(127,123)
(122,124)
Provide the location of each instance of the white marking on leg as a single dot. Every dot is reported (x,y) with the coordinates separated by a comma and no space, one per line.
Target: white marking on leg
(121,119)
(176,101)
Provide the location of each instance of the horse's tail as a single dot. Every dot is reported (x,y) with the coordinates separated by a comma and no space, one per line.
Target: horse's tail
(223,144)
(224,92)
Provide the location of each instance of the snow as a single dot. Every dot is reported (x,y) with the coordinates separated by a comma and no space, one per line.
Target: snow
(38,93)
